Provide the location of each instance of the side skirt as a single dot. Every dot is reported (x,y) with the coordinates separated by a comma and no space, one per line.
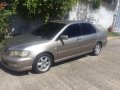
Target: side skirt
(73,56)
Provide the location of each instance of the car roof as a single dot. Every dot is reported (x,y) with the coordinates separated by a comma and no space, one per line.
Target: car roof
(68,21)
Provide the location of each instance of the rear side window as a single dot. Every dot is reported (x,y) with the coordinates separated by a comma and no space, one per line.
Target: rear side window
(72,31)
(87,29)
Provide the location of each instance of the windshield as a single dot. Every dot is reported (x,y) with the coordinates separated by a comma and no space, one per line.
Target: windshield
(48,30)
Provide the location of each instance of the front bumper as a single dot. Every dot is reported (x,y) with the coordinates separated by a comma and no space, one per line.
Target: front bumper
(17,64)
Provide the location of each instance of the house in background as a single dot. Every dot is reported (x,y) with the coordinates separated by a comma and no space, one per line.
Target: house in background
(107,15)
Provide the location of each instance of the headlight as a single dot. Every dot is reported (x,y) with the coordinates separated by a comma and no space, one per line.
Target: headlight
(19,53)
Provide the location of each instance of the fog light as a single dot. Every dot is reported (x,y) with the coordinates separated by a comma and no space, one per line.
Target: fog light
(14,65)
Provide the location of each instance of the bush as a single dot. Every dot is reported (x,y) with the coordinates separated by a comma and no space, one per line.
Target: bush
(96,4)
(44,9)
(4,23)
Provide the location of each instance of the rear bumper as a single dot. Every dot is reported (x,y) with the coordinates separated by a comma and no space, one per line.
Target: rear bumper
(17,64)
(104,43)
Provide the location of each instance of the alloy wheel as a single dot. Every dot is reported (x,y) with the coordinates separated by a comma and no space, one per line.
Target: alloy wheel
(44,63)
(97,49)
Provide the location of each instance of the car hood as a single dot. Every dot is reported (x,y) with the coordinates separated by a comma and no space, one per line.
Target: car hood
(24,40)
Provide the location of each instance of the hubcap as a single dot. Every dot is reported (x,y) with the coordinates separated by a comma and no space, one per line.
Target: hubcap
(97,49)
(43,63)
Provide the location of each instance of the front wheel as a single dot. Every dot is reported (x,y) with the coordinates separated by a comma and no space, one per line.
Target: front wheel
(42,63)
(97,49)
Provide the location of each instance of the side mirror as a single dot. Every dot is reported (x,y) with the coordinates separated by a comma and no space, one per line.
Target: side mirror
(64,37)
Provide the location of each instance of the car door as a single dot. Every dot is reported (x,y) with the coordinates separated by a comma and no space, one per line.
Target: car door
(88,37)
(69,47)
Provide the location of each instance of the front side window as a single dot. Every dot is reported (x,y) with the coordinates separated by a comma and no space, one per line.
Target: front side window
(72,31)
(87,29)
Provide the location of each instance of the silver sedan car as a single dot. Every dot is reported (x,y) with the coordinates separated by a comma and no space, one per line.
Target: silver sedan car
(51,43)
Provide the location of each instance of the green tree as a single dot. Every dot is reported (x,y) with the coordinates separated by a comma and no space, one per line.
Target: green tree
(5,13)
(44,9)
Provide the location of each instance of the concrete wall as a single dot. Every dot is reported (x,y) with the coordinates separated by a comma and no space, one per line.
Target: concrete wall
(102,17)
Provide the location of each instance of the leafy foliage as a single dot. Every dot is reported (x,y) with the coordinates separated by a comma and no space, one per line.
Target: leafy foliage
(4,22)
(5,13)
(96,4)
(44,9)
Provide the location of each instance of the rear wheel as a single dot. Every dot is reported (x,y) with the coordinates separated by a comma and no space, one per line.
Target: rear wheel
(97,49)
(42,63)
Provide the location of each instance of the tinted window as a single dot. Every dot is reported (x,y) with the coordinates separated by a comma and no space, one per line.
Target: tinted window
(72,31)
(87,29)
(48,30)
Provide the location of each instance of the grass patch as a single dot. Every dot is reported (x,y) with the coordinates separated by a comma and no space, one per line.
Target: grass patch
(110,34)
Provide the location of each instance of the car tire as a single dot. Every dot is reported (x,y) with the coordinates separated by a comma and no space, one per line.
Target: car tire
(42,63)
(97,49)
